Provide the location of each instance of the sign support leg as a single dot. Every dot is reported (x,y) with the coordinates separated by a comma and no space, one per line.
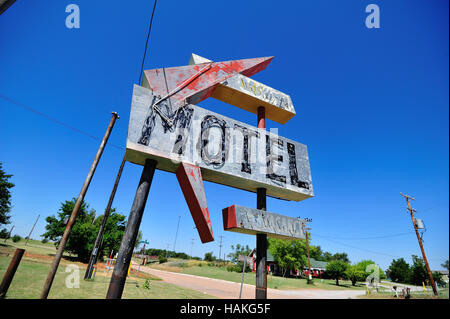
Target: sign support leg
(261,239)
(99,239)
(119,274)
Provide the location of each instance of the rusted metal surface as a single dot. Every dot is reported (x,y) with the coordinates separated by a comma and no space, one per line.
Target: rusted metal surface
(248,94)
(191,183)
(201,79)
(228,152)
(256,221)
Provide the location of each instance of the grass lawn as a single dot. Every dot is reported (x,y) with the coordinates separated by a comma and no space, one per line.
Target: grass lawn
(443,294)
(33,270)
(275,282)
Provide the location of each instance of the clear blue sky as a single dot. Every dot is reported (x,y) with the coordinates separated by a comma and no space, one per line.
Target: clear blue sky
(372,106)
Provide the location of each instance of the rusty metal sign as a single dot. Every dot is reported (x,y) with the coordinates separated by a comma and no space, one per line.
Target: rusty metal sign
(228,152)
(191,183)
(248,94)
(254,221)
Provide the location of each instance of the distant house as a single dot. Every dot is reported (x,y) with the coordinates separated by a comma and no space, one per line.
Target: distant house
(270,262)
(444,274)
(317,268)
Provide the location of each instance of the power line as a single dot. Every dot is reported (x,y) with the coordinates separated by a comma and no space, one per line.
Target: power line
(146,42)
(363,249)
(370,251)
(361,238)
(12,101)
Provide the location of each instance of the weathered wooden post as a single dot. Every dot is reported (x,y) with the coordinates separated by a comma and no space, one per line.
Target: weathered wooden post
(99,239)
(9,275)
(73,216)
(119,274)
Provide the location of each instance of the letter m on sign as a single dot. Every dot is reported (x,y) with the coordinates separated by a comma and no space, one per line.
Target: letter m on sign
(191,182)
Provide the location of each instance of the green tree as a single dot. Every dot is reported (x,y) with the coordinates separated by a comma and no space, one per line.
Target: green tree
(138,239)
(85,229)
(419,272)
(337,269)
(16,238)
(438,278)
(362,265)
(288,254)
(238,250)
(341,256)
(445,265)
(355,274)
(399,271)
(209,256)
(5,196)
(327,256)
(4,233)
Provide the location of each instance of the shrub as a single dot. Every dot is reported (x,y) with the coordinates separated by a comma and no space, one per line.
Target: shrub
(44,241)
(209,257)
(146,284)
(16,238)
(162,259)
(4,233)
(238,267)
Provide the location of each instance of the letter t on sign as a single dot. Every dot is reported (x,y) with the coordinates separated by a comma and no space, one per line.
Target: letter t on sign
(191,183)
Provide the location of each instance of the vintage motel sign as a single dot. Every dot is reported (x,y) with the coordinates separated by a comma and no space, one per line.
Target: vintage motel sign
(228,152)
(254,221)
(166,125)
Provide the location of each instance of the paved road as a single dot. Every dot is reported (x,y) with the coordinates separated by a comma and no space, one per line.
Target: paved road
(230,290)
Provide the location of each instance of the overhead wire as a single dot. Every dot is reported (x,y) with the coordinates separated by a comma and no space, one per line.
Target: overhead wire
(146,42)
(48,117)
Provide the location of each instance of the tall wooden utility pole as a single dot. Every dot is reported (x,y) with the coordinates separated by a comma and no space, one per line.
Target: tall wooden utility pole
(305,230)
(261,239)
(29,235)
(99,239)
(76,208)
(220,246)
(9,234)
(412,211)
(176,233)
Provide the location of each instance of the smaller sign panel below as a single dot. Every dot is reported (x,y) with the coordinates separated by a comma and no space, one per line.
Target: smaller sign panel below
(254,221)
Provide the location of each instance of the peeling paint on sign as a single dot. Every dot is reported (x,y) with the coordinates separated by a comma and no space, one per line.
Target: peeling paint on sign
(254,221)
(227,151)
